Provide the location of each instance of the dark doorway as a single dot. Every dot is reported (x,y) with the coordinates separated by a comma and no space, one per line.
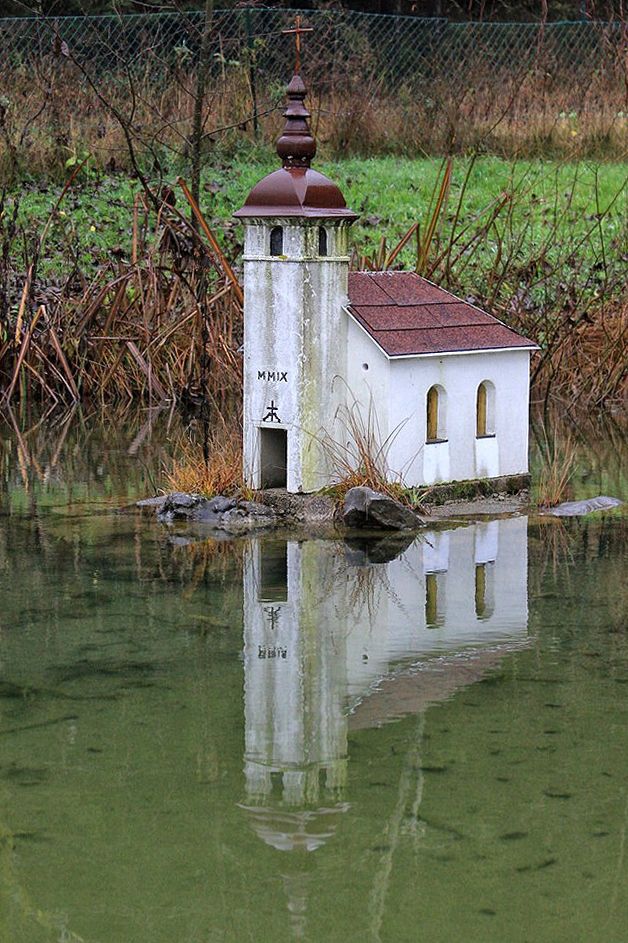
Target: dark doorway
(274,571)
(274,457)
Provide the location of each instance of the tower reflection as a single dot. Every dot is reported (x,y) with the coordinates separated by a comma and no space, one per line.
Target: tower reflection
(351,637)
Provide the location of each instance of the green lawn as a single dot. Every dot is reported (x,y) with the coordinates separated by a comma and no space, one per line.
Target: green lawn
(559,202)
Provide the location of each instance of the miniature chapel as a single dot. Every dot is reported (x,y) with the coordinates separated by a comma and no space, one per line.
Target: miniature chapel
(447,382)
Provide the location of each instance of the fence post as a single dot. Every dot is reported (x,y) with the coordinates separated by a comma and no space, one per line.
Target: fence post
(252,73)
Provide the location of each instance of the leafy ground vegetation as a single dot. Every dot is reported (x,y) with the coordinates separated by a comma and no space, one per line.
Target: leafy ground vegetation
(109,291)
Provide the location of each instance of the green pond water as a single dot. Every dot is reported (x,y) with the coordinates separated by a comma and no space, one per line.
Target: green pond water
(269,740)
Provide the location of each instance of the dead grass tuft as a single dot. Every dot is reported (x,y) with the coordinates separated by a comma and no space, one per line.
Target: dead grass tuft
(210,463)
(360,458)
(559,457)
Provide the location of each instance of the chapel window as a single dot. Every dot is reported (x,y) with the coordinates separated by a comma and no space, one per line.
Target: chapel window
(322,240)
(276,240)
(485,410)
(431,599)
(480,589)
(484,590)
(435,415)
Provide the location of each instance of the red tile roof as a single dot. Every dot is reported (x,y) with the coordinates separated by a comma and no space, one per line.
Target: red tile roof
(405,314)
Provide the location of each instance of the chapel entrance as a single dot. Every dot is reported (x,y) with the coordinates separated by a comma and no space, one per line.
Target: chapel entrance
(274,458)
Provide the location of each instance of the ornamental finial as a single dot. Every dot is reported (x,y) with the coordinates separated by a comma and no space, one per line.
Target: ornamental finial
(296,145)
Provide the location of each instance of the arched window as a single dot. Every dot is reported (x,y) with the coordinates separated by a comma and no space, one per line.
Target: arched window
(431,599)
(435,415)
(484,590)
(276,241)
(480,589)
(322,240)
(485,410)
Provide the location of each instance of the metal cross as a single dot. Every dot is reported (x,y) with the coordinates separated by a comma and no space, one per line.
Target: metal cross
(297,32)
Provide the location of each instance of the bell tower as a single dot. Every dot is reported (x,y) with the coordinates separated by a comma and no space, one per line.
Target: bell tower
(296,268)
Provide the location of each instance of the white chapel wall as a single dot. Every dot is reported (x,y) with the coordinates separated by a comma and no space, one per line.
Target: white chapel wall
(459,376)
(367,373)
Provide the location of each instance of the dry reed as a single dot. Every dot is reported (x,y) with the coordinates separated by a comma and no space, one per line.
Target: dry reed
(164,325)
(559,456)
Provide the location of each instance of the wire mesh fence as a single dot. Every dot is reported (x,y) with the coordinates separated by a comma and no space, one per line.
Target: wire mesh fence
(395,49)
(106,85)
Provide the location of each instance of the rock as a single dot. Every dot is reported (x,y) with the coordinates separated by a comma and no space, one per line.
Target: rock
(364,507)
(179,499)
(309,510)
(354,512)
(247,515)
(157,502)
(219,513)
(220,504)
(575,508)
(210,511)
(179,506)
(367,551)
(391,514)
(202,514)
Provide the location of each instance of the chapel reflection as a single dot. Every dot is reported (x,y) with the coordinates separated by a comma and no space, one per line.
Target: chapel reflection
(324,627)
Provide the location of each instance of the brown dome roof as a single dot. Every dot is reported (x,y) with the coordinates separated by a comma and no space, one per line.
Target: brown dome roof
(296,189)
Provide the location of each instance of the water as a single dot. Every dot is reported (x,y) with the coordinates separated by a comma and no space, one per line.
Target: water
(277,740)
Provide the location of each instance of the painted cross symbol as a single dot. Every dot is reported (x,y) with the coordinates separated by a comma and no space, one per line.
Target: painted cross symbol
(273,616)
(272,415)
(297,32)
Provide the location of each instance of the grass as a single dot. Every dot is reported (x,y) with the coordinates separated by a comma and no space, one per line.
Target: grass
(359,458)
(388,193)
(540,244)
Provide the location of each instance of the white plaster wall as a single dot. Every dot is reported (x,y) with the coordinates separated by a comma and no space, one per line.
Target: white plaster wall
(462,456)
(366,386)
(295,340)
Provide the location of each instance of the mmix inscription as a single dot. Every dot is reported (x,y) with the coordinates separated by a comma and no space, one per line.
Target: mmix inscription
(279,376)
(274,651)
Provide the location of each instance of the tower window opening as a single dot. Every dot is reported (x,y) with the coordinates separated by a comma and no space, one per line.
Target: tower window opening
(322,240)
(276,240)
